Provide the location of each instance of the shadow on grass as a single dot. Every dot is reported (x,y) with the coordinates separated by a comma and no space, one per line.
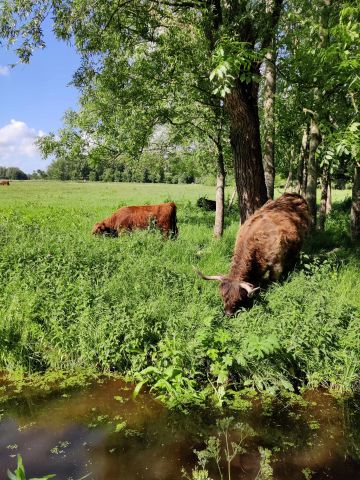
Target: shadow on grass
(193,215)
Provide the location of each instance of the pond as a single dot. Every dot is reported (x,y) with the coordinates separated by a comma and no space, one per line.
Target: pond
(101,432)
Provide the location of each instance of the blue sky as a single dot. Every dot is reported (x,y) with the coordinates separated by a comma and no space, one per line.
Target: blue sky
(33,99)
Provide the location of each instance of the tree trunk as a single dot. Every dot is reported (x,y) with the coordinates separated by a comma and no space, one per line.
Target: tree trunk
(315,137)
(231,201)
(324,197)
(305,175)
(220,194)
(329,197)
(312,171)
(241,105)
(355,207)
(291,163)
(288,181)
(269,120)
(303,160)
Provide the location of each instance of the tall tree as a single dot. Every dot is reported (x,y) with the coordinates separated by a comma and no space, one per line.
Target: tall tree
(239,56)
(312,169)
(318,74)
(269,113)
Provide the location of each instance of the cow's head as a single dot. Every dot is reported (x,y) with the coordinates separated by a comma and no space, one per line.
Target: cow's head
(99,228)
(234,292)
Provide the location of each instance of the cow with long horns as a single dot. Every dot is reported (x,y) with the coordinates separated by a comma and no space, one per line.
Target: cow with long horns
(268,243)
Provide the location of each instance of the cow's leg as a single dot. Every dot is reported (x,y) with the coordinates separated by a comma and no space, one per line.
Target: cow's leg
(291,259)
(275,272)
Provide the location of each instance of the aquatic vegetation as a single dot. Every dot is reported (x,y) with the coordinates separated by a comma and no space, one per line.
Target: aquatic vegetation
(19,473)
(265,470)
(222,450)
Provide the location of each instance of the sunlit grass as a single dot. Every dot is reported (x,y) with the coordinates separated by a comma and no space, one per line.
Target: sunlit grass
(69,300)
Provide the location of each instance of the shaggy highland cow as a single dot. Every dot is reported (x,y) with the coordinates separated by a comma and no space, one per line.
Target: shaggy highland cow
(135,217)
(268,243)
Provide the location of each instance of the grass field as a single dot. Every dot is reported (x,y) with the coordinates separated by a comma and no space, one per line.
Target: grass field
(69,300)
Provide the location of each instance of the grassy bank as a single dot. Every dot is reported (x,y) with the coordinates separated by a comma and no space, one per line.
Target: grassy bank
(133,304)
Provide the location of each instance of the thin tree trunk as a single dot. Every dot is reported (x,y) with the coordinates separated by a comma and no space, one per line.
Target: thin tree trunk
(355,207)
(303,160)
(288,181)
(324,197)
(232,198)
(312,171)
(220,194)
(315,137)
(305,175)
(329,197)
(269,120)
(241,104)
(291,163)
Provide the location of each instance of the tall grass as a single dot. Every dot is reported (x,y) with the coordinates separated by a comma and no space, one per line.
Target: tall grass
(69,300)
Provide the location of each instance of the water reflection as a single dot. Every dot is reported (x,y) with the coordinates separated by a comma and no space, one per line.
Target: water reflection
(102,432)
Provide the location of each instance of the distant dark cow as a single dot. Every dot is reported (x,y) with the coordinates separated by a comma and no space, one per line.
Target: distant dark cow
(5,182)
(131,218)
(206,204)
(268,242)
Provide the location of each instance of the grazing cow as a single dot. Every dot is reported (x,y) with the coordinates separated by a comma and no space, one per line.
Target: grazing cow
(206,204)
(5,182)
(268,242)
(131,218)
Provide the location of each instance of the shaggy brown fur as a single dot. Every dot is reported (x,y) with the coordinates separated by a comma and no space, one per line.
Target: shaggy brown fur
(268,242)
(131,218)
(5,182)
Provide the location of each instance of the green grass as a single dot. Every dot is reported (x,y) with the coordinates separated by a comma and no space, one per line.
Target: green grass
(69,300)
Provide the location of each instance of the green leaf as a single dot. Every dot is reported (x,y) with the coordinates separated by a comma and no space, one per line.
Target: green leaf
(138,388)
(12,476)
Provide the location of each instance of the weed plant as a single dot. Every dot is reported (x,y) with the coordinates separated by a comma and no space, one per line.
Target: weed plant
(19,473)
(227,447)
(69,300)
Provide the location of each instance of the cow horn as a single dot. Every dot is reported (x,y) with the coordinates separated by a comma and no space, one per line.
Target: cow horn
(219,278)
(249,288)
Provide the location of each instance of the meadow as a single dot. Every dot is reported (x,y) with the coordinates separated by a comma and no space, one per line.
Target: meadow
(70,301)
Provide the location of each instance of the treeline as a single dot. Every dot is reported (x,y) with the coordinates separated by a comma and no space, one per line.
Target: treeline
(184,167)
(12,173)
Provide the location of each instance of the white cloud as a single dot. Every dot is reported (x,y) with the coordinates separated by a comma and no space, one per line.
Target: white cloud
(17,145)
(4,70)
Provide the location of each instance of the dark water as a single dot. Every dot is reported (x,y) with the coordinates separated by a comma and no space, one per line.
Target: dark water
(101,432)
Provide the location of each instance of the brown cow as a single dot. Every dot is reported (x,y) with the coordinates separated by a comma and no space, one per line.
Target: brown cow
(131,218)
(268,242)
(5,182)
